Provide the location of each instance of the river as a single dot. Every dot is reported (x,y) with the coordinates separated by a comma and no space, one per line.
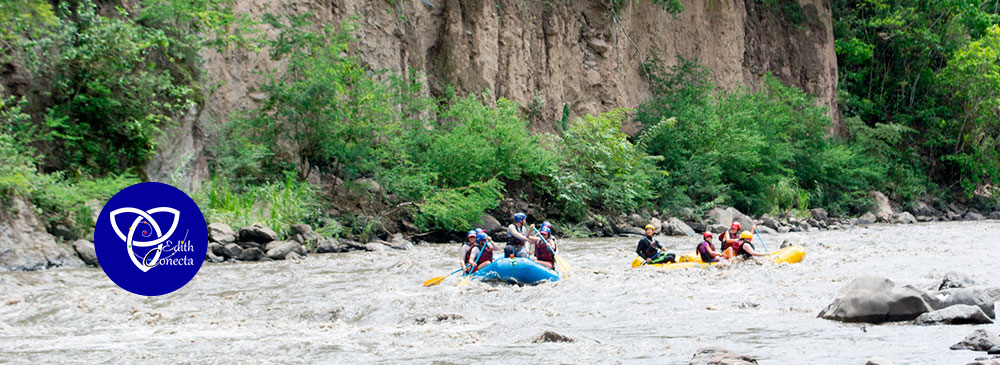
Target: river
(371,307)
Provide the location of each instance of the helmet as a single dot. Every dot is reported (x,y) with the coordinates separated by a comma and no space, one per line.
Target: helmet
(471,233)
(746,235)
(481,237)
(546,231)
(707,234)
(480,230)
(650,226)
(736,226)
(546,224)
(519,217)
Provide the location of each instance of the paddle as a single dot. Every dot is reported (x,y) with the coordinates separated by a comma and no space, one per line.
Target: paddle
(768,252)
(465,281)
(563,266)
(438,279)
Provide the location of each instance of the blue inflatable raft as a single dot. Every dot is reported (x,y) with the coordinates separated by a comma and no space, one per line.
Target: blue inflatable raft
(517,270)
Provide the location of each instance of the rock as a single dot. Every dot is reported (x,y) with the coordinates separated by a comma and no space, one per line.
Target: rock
(212,257)
(978,340)
(277,250)
(353,245)
(678,228)
(924,218)
(765,229)
(784,229)
(985,361)
(966,296)
(719,356)
(768,221)
(251,254)
(875,299)
(232,251)
(397,242)
(974,216)
(25,244)
(368,184)
(903,218)
(954,279)
(882,211)
(994,350)
(85,249)
(697,226)
(956,314)
(657,224)
(878,360)
(920,208)
(293,256)
(257,233)
(636,220)
(867,218)
(302,229)
(720,216)
(794,229)
(952,216)
(598,45)
(217,249)
(718,228)
(549,336)
(819,214)
(62,231)
(954,208)
(221,233)
(785,243)
(327,245)
(995,215)
(374,246)
(744,219)
(489,224)
(814,223)
(686,214)
(627,229)
(805,227)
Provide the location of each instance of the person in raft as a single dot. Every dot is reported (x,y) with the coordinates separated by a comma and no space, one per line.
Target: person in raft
(650,250)
(744,248)
(731,237)
(544,255)
(466,247)
(517,237)
(707,250)
(484,244)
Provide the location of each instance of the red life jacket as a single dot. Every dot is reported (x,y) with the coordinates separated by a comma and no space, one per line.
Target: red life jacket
(486,256)
(542,252)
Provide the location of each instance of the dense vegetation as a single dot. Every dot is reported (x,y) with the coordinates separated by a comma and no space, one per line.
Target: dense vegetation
(919,85)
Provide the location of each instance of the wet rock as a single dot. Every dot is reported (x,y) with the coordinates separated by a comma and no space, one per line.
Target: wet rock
(956,314)
(794,229)
(26,245)
(995,215)
(867,218)
(768,221)
(353,245)
(814,223)
(924,218)
(251,254)
(955,208)
(549,336)
(882,211)
(374,246)
(277,250)
(978,340)
(805,227)
(257,233)
(904,218)
(719,356)
(765,229)
(212,257)
(954,279)
(985,361)
(62,231)
(397,242)
(697,226)
(329,246)
(952,216)
(784,229)
(966,296)
(974,216)
(878,360)
(232,251)
(875,299)
(920,208)
(678,228)
(221,233)
(718,228)
(85,249)
(630,230)
(293,256)
(786,243)
(995,350)
(217,249)
(489,224)
(301,229)
(818,213)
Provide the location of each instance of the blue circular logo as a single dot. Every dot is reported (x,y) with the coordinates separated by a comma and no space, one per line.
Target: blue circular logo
(151,239)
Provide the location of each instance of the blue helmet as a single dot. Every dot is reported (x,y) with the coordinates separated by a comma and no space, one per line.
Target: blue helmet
(471,233)
(481,237)
(546,224)
(480,230)
(546,230)
(519,217)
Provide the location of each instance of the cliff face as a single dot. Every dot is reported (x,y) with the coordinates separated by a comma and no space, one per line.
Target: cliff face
(551,53)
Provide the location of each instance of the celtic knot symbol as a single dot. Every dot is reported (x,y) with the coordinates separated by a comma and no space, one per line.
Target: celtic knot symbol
(145,218)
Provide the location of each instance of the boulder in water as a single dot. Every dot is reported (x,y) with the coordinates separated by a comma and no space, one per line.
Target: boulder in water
(995,350)
(904,218)
(768,221)
(278,250)
(258,233)
(720,356)
(397,242)
(954,279)
(995,215)
(251,254)
(956,314)
(221,233)
(882,210)
(678,228)
(489,224)
(232,250)
(85,249)
(818,213)
(549,336)
(966,296)
(878,360)
(867,218)
(24,243)
(974,216)
(327,245)
(875,299)
(978,340)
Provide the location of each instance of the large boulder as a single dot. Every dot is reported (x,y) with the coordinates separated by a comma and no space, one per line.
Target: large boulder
(768,221)
(974,216)
(920,208)
(978,340)
(882,210)
(956,314)
(719,356)
(251,254)
(819,214)
(636,220)
(25,244)
(257,233)
(221,233)
(657,224)
(875,299)
(277,250)
(721,216)
(867,218)
(85,249)
(995,215)
(966,296)
(678,228)
(300,229)
(954,279)
(231,251)
(626,229)
(489,224)
(903,218)
(697,226)
(397,242)
(328,245)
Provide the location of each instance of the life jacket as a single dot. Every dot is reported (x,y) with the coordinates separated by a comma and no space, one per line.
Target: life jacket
(542,252)
(732,236)
(486,256)
(465,257)
(739,248)
(703,250)
(649,250)
(512,240)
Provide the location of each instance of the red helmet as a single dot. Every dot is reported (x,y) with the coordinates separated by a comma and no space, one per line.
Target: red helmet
(707,235)
(736,226)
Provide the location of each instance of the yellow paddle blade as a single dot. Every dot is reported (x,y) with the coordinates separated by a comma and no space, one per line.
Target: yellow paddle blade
(637,262)
(562,267)
(563,263)
(434,281)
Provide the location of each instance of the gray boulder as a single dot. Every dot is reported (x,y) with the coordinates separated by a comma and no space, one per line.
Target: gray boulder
(657,224)
(212,257)
(329,246)
(302,229)
(721,216)
(626,229)
(995,215)
(678,228)
(966,296)
(697,226)
(765,230)
(251,254)
(397,242)
(819,214)
(257,233)
(867,218)
(277,250)
(920,208)
(350,245)
(293,256)
(25,244)
(217,249)
(374,246)
(768,221)
(978,340)
(994,350)
(955,208)
(952,216)
(85,249)
(221,233)
(719,356)
(636,220)
(232,251)
(875,299)
(882,210)
(974,216)
(718,228)
(489,224)
(904,218)
(954,279)
(956,314)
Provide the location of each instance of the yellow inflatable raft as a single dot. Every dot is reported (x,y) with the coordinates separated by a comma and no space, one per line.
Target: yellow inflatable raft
(791,254)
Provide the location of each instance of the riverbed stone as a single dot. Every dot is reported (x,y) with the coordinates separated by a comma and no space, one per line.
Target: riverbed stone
(952,216)
(867,218)
(878,360)
(719,356)
(875,299)
(784,229)
(769,221)
(329,245)
(26,245)
(978,340)
(921,208)
(277,250)
(967,296)
(217,249)
(549,336)
(374,246)
(489,224)
(995,350)
(678,228)
(720,216)
(221,233)
(765,230)
(986,361)
(882,209)
(626,229)
(974,216)
(657,224)
(258,233)
(212,257)
(300,228)
(232,251)
(636,220)
(903,218)
(956,314)
(697,226)
(397,242)
(251,254)
(85,249)
(818,213)
(955,279)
